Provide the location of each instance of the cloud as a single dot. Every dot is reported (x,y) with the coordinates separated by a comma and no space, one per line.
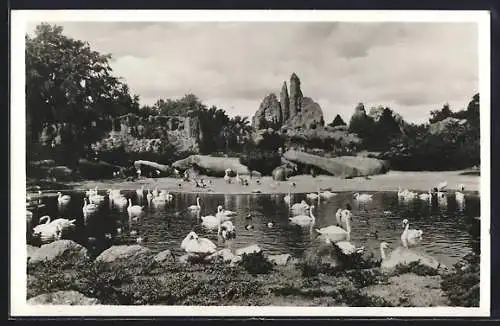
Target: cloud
(411,67)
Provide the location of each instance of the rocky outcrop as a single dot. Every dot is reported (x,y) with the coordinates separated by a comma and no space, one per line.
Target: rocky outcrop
(213,166)
(284,102)
(443,125)
(292,111)
(280,260)
(376,112)
(269,113)
(67,250)
(344,166)
(67,298)
(121,253)
(164,258)
(310,116)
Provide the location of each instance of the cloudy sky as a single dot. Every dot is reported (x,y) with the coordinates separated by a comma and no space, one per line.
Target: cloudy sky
(410,67)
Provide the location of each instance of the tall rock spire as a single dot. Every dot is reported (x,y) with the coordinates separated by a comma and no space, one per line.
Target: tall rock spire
(295,95)
(284,102)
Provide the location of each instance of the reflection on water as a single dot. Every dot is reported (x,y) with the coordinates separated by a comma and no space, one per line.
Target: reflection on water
(445,222)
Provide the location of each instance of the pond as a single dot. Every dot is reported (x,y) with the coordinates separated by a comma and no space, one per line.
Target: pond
(445,223)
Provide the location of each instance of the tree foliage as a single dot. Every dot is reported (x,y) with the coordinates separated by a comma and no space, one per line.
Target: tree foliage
(70,93)
(337,121)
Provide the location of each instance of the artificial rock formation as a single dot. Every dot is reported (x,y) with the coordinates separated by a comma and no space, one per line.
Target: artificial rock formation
(284,102)
(292,111)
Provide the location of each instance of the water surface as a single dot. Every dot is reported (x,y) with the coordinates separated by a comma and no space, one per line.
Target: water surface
(445,223)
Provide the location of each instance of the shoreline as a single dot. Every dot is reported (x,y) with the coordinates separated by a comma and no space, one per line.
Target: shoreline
(390,181)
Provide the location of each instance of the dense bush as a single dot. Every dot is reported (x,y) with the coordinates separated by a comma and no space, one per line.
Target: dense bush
(462,286)
(457,147)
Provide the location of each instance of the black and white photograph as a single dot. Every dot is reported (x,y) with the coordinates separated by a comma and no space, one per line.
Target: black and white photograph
(278,163)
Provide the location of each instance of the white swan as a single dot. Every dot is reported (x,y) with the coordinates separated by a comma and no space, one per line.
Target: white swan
(405,256)
(96,199)
(46,230)
(406,194)
(313,195)
(410,237)
(226,230)
(196,207)
(166,195)
(134,209)
(346,247)
(459,196)
(196,245)
(63,199)
(159,201)
(89,208)
(327,194)
(64,224)
(425,196)
(228,213)
(288,197)
(300,207)
(140,191)
(304,220)
(114,193)
(341,216)
(120,201)
(210,221)
(362,197)
(338,233)
(442,185)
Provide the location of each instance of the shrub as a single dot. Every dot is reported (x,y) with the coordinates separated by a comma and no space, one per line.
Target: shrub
(256,263)
(462,286)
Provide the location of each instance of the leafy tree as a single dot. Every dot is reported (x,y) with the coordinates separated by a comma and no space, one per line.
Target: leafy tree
(70,90)
(338,121)
(362,125)
(385,129)
(440,115)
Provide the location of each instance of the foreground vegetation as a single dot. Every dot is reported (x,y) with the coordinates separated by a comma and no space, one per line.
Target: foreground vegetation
(255,281)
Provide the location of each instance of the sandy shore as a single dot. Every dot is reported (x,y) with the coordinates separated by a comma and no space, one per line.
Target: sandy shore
(417,181)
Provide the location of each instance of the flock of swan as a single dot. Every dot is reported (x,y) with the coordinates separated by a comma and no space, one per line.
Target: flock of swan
(300,214)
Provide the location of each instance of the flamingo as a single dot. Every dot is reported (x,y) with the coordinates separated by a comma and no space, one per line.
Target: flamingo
(134,210)
(410,237)
(196,245)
